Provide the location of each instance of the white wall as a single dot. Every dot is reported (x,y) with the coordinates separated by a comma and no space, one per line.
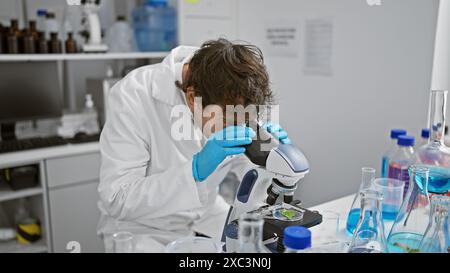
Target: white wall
(382,59)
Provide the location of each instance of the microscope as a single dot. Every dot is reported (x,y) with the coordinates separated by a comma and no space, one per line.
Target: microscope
(94,31)
(278,169)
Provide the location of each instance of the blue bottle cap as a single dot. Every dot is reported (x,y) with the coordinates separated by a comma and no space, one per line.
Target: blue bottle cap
(395,133)
(41,12)
(425,133)
(296,237)
(406,141)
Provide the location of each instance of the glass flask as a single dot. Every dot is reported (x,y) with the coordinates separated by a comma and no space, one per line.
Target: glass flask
(367,176)
(435,155)
(436,237)
(412,219)
(369,232)
(251,234)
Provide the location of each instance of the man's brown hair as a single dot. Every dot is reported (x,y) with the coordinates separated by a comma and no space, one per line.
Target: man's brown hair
(226,73)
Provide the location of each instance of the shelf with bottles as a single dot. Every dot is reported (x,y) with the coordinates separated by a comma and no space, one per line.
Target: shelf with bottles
(26,214)
(81,56)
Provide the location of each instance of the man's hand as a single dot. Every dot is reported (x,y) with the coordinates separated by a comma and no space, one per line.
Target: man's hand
(228,141)
(277,131)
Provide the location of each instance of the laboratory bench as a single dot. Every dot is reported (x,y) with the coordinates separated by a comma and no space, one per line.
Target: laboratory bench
(64,200)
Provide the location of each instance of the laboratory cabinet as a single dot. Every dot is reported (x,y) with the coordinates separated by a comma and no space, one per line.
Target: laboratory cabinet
(65,199)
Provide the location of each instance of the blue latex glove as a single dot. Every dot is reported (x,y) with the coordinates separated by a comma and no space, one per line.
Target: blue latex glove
(277,131)
(228,141)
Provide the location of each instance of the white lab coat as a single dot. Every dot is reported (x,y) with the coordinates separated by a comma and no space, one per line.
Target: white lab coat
(146,183)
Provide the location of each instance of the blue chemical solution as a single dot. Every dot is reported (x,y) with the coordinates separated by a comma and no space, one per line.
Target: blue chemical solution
(389,212)
(438,180)
(352,221)
(404,242)
(384,166)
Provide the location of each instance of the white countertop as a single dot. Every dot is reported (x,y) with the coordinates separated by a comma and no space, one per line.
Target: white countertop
(329,231)
(36,155)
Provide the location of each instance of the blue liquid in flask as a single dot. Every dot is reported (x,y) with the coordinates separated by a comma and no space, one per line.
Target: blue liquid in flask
(438,180)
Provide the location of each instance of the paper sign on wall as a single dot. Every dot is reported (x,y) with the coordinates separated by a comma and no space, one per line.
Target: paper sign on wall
(282,38)
(318,47)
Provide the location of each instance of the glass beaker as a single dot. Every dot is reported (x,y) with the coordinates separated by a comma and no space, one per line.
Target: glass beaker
(435,155)
(392,190)
(250,234)
(123,242)
(367,176)
(412,219)
(368,236)
(436,238)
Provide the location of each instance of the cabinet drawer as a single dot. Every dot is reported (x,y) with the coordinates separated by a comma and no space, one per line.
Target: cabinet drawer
(74,169)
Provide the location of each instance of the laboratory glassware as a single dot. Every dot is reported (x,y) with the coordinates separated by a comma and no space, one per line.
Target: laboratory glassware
(369,232)
(395,133)
(435,155)
(401,160)
(436,237)
(412,219)
(367,176)
(424,137)
(296,239)
(123,242)
(250,234)
(392,190)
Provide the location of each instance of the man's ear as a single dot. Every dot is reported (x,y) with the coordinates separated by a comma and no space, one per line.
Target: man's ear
(190,98)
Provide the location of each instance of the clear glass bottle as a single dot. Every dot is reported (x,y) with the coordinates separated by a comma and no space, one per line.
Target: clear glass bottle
(402,160)
(251,234)
(369,232)
(412,219)
(424,137)
(435,155)
(436,238)
(296,239)
(395,133)
(367,176)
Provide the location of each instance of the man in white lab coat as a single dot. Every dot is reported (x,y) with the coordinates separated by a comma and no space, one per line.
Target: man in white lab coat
(154,184)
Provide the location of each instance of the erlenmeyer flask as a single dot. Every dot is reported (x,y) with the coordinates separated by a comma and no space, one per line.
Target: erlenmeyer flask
(436,238)
(367,176)
(412,219)
(369,233)
(251,234)
(435,155)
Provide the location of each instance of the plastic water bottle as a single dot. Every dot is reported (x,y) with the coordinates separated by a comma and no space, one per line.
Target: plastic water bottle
(296,239)
(155,26)
(401,160)
(395,133)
